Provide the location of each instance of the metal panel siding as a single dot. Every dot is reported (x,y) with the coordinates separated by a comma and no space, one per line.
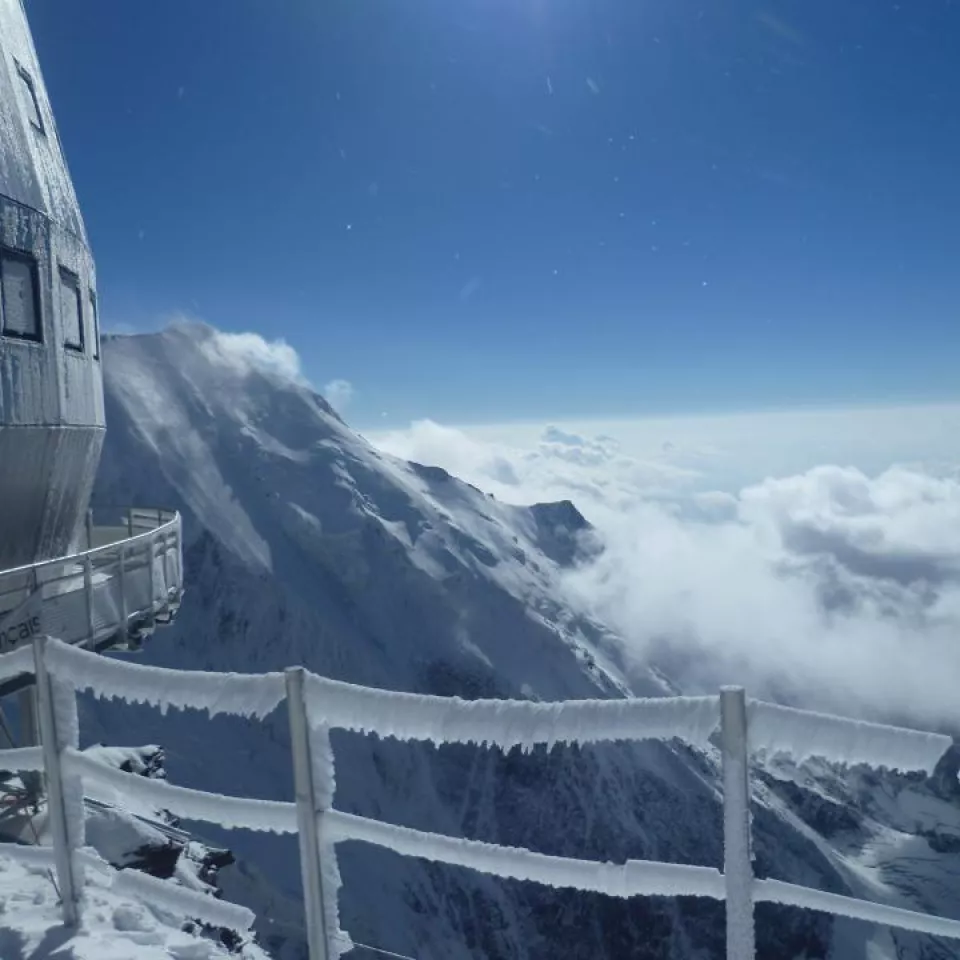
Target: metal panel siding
(79,380)
(28,385)
(79,390)
(18,179)
(72,473)
(22,227)
(33,169)
(51,399)
(45,480)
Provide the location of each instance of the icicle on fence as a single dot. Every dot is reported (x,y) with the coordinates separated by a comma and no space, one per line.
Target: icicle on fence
(316,705)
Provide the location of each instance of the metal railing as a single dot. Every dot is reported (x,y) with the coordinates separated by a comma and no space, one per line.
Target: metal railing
(316,705)
(129,576)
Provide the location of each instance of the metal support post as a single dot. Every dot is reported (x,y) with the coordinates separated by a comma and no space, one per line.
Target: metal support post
(56,802)
(737,868)
(29,722)
(156,575)
(307,817)
(164,550)
(88,594)
(89,529)
(124,611)
(28,716)
(178,555)
(29,737)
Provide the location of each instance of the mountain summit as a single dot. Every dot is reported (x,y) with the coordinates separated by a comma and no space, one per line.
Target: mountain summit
(305,544)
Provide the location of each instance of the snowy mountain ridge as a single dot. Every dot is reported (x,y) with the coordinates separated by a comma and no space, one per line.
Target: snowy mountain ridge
(307,545)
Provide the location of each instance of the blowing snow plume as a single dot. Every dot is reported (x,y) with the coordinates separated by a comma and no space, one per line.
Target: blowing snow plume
(831,587)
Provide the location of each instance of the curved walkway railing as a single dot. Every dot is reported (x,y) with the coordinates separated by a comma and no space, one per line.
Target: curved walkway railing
(129,577)
(316,705)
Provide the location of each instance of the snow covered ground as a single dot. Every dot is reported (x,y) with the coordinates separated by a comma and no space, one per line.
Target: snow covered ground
(126,913)
(116,925)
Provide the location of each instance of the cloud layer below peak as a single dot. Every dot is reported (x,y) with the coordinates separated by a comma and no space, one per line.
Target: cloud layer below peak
(835,587)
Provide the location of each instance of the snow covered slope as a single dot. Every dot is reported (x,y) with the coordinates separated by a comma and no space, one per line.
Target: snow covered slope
(117,925)
(306,545)
(121,919)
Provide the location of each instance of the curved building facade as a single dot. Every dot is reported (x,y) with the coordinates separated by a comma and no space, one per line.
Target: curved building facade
(51,390)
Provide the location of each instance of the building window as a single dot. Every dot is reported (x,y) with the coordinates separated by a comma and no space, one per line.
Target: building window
(19,296)
(95,316)
(71,310)
(30,98)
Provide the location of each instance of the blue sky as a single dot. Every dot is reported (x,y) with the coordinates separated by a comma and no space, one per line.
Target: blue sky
(484,210)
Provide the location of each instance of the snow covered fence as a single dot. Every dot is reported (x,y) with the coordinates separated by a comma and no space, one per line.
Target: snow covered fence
(744,727)
(23,759)
(110,785)
(791,895)
(129,578)
(507,723)
(634,878)
(239,694)
(16,663)
(182,902)
(801,734)
(317,705)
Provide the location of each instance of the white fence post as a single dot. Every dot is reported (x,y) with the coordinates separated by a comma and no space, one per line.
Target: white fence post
(307,811)
(56,799)
(737,868)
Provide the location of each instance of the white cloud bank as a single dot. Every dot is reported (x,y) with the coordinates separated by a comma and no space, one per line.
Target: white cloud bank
(338,394)
(250,351)
(832,586)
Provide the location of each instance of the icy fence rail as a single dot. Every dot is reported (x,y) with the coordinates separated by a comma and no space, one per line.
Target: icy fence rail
(316,705)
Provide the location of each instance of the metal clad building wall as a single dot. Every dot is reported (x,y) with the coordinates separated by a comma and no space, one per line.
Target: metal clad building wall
(51,395)
(38,175)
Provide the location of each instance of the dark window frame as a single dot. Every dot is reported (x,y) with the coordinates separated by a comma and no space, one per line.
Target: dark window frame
(69,278)
(95,314)
(27,258)
(27,79)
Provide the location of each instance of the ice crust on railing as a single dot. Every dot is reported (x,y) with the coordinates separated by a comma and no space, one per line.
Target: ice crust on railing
(339,941)
(507,723)
(777,891)
(633,878)
(65,711)
(15,663)
(67,724)
(324,787)
(247,695)
(111,785)
(802,734)
(181,902)
(22,758)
